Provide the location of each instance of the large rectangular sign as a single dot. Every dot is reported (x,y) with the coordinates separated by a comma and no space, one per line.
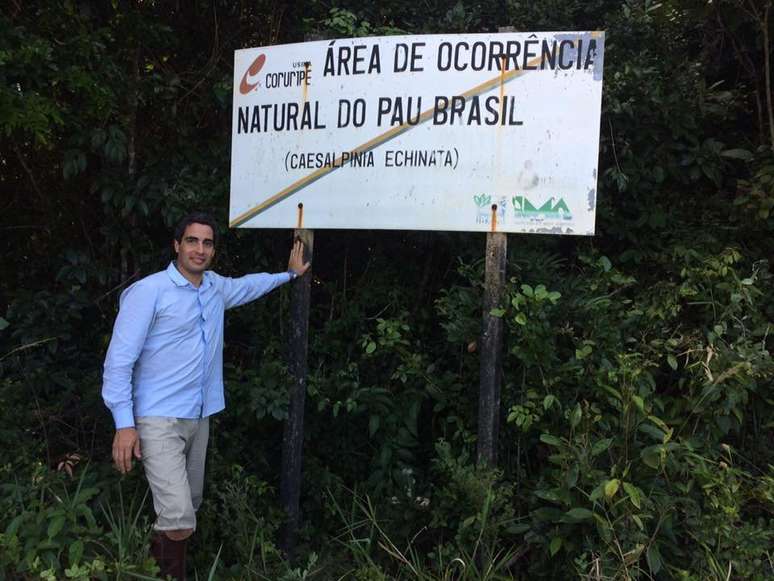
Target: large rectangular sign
(472,132)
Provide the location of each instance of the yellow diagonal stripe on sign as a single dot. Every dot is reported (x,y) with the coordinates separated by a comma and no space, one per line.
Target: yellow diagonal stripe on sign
(298,185)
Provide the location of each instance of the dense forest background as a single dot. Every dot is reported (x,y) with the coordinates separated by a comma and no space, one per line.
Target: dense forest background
(636,436)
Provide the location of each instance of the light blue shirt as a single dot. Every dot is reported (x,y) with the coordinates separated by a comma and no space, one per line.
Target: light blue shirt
(166,354)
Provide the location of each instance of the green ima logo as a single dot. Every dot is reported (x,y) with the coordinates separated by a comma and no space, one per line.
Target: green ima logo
(553,208)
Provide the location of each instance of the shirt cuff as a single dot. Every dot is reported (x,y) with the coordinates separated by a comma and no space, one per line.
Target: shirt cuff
(124,418)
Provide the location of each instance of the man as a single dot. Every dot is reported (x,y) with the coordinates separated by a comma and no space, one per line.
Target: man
(163,376)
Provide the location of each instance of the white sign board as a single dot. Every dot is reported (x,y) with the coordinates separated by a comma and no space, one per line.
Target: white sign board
(473,132)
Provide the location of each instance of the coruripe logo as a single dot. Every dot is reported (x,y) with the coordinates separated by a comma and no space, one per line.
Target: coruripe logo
(249,80)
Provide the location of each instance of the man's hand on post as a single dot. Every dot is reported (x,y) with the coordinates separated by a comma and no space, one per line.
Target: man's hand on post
(296,262)
(125,444)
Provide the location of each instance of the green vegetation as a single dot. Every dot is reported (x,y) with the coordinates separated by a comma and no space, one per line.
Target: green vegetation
(636,438)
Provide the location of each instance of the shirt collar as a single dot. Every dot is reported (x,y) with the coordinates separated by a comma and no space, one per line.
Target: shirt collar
(175,275)
(180,280)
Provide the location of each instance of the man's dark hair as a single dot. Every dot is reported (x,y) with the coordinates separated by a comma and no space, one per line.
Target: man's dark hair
(196,218)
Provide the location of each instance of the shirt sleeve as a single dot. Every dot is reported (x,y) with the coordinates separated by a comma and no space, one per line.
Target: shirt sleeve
(238,291)
(135,317)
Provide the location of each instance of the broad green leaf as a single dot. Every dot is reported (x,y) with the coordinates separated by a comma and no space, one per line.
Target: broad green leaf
(612,391)
(548,401)
(550,440)
(739,153)
(672,360)
(652,431)
(601,446)
(3,324)
(605,263)
(659,422)
(521,319)
(572,476)
(634,494)
(547,514)
(651,456)
(548,495)
(612,487)
(639,402)
(371,347)
(556,544)
(14,524)
(373,424)
(653,556)
(579,513)
(75,552)
(497,312)
(55,526)
(576,415)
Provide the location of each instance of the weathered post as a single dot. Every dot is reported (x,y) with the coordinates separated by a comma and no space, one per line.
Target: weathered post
(490,373)
(293,434)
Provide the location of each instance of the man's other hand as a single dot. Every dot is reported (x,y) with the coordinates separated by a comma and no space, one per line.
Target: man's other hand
(296,262)
(125,444)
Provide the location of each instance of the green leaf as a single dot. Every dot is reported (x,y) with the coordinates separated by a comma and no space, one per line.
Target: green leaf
(579,514)
(548,401)
(572,476)
(75,552)
(521,319)
(742,154)
(612,487)
(497,312)
(556,544)
(651,456)
(547,514)
(638,401)
(55,526)
(672,360)
(373,425)
(634,494)
(575,417)
(550,440)
(371,347)
(605,263)
(601,446)
(653,556)
(3,324)
(15,523)
(583,352)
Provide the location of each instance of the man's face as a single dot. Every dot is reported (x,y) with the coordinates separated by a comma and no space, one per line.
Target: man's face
(195,249)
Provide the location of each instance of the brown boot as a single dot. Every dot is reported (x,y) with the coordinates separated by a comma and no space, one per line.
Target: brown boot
(170,555)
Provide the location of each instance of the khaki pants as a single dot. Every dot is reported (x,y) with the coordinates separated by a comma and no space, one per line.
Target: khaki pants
(173,454)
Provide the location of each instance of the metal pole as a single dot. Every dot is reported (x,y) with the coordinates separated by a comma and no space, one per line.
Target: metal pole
(293,434)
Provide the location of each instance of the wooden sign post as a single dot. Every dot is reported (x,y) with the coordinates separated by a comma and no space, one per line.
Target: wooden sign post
(490,374)
(293,434)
